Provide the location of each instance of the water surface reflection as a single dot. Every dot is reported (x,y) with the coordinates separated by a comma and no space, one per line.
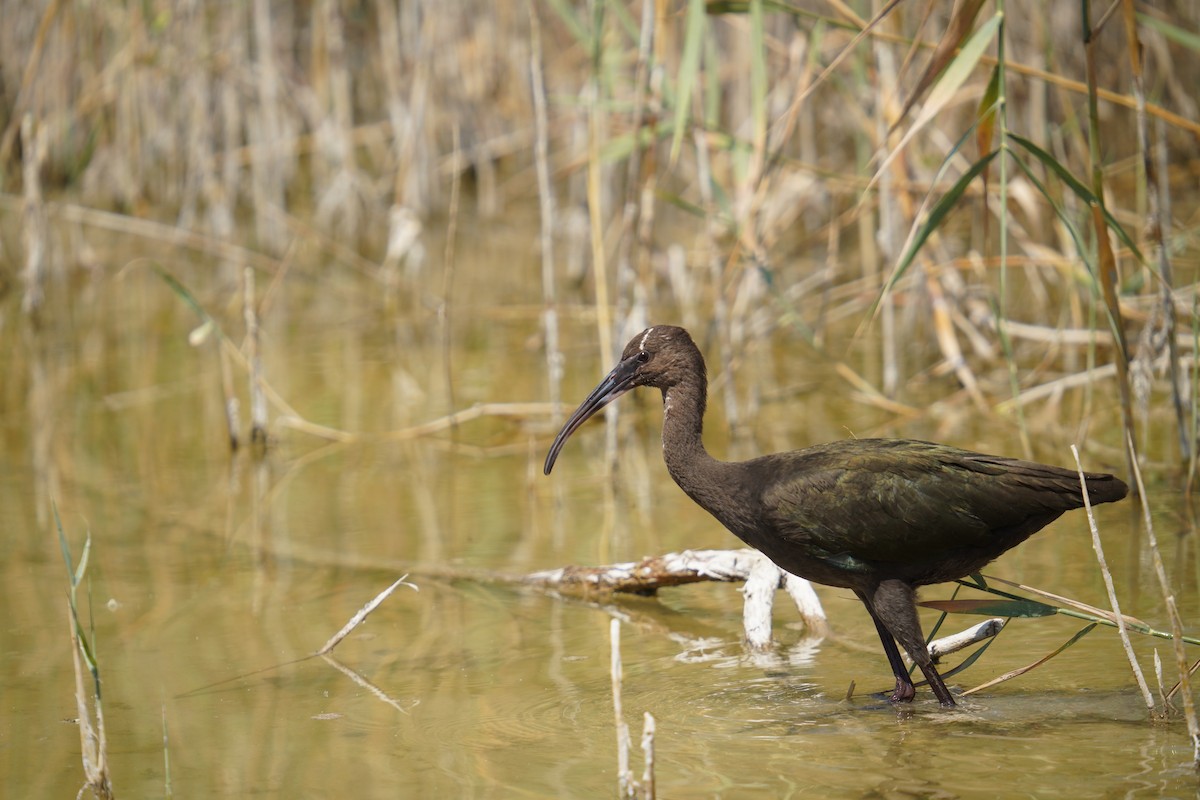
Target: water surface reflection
(212,574)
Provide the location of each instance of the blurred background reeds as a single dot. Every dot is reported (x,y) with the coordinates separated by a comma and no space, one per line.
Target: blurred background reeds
(925,172)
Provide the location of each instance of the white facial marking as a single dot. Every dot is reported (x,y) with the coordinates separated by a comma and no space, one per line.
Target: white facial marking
(645,336)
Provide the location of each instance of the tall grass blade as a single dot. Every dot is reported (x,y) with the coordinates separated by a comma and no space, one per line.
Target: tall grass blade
(993,608)
(1060,212)
(83,559)
(1180,36)
(1068,607)
(66,550)
(92,739)
(1016,673)
(956,30)
(948,84)
(936,214)
(985,131)
(186,296)
(1079,190)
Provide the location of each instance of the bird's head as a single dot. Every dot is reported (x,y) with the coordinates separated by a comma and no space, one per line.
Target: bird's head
(661,356)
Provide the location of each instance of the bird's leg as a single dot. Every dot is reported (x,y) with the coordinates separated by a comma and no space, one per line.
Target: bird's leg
(905,690)
(894,603)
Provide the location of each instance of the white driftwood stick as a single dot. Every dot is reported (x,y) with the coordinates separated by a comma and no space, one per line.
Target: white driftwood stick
(957,641)
(759,594)
(649,575)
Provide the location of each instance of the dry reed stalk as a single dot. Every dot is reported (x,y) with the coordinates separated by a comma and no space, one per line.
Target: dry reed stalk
(93,742)
(227,178)
(444,307)
(719,264)
(421,189)
(596,215)
(1107,263)
(1158,194)
(649,792)
(199,183)
(637,213)
(230,404)
(554,356)
(33,61)
(168,790)
(392,67)
(625,780)
(266,130)
(887,237)
(344,195)
(1098,546)
(259,421)
(325,653)
(1071,86)
(1194,428)
(748,315)
(1179,684)
(363,613)
(33,228)
(477,411)
(1048,77)
(627,785)
(716,266)
(155,231)
(1189,705)
(1055,387)
(363,683)
(450,422)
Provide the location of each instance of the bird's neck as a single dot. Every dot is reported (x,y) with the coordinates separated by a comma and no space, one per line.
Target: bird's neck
(697,473)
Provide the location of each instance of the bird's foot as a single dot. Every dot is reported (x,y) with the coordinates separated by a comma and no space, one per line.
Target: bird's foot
(904,692)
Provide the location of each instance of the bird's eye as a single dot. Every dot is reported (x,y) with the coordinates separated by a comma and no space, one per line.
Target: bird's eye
(643,357)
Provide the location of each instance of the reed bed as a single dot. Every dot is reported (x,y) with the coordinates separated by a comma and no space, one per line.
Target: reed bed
(1001,200)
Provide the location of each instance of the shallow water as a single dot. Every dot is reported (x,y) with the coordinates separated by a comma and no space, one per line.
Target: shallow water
(211,575)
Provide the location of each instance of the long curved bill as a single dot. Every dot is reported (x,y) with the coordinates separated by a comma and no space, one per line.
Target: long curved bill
(615,384)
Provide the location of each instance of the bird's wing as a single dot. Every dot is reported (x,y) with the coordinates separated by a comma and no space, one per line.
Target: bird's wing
(889,505)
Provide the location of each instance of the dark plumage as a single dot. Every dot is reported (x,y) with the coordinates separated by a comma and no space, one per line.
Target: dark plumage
(877,516)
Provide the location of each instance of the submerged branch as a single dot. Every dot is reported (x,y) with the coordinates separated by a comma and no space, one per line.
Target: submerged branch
(647,576)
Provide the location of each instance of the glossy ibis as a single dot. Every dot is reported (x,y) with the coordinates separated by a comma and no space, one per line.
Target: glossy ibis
(877,516)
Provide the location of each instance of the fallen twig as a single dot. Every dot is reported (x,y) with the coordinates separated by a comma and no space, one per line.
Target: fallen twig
(357,619)
(647,576)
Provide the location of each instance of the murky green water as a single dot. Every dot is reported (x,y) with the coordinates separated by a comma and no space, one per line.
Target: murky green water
(212,574)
